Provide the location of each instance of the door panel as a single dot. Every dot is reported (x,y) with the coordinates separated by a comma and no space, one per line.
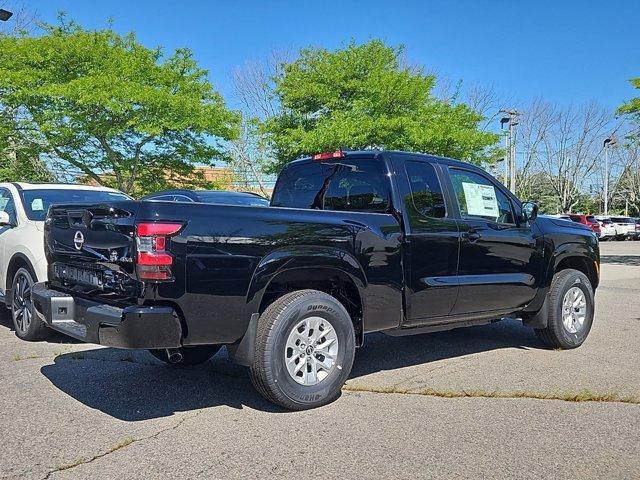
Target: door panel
(497,268)
(432,239)
(7,234)
(498,261)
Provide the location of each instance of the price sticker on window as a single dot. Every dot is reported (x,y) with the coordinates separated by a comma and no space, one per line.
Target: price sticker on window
(481,200)
(37,205)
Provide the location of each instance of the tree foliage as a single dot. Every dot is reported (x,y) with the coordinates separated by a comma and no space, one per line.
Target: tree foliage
(632,107)
(117,112)
(363,97)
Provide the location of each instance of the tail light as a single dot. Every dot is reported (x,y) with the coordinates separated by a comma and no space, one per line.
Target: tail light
(153,261)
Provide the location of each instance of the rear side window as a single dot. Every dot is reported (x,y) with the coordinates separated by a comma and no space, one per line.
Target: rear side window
(426,193)
(591,219)
(478,197)
(360,185)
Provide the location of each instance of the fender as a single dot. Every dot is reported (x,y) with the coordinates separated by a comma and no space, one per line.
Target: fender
(539,305)
(30,267)
(294,257)
(284,260)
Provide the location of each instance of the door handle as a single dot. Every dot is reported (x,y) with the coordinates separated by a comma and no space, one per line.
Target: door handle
(472,235)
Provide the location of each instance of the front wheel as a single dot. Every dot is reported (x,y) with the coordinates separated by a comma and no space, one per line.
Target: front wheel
(571,308)
(305,345)
(27,326)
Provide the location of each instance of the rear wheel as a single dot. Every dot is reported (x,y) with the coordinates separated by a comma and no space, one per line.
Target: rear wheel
(27,326)
(571,308)
(305,345)
(186,355)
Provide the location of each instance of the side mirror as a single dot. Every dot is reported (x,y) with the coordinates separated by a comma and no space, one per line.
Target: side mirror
(529,211)
(4,219)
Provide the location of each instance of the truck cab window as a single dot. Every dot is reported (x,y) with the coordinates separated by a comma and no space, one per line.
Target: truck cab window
(357,185)
(478,197)
(426,193)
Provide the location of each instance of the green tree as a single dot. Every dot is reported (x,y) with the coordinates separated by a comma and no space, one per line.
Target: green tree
(632,107)
(363,97)
(116,112)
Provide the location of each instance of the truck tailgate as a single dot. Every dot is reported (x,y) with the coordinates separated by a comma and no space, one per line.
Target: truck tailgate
(91,249)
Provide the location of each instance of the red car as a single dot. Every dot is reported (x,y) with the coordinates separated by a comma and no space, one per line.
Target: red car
(588,220)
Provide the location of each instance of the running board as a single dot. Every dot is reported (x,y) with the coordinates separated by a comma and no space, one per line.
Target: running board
(401,332)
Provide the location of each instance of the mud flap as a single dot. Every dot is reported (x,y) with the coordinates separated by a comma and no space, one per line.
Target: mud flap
(541,319)
(242,353)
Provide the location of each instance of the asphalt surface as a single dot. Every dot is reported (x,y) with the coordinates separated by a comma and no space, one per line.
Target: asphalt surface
(70,410)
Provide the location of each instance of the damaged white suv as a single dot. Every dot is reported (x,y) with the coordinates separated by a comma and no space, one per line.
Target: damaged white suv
(23,208)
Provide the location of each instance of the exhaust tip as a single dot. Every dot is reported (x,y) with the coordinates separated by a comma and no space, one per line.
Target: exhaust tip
(174,356)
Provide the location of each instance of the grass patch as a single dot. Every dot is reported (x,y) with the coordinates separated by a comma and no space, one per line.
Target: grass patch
(18,356)
(81,461)
(581,396)
(121,444)
(67,466)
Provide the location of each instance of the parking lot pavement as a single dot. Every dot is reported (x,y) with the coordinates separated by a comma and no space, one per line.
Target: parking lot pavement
(70,410)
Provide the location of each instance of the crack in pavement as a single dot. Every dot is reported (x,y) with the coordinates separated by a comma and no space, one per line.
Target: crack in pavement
(582,396)
(121,445)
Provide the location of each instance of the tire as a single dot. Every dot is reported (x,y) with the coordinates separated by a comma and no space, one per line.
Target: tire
(27,326)
(190,355)
(282,371)
(568,286)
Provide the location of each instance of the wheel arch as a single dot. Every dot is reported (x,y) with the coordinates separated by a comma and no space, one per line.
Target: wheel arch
(581,258)
(332,271)
(568,256)
(17,261)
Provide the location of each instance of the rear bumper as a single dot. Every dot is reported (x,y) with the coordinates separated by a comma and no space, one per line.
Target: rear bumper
(139,327)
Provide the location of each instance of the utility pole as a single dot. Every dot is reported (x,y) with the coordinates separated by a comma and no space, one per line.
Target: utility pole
(511,119)
(608,142)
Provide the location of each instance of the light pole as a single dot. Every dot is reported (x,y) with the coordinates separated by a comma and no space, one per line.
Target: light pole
(511,119)
(608,142)
(5,15)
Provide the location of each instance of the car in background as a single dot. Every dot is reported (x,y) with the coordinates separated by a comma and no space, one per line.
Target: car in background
(625,227)
(588,220)
(563,216)
(221,197)
(637,234)
(23,208)
(607,228)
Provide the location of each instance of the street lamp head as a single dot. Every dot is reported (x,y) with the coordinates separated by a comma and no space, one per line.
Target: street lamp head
(5,15)
(504,120)
(610,141)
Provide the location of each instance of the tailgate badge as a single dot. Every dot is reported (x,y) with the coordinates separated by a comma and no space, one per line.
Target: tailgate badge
(78,240)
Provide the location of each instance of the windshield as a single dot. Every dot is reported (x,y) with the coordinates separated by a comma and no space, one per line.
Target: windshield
(36,202)
(232,199)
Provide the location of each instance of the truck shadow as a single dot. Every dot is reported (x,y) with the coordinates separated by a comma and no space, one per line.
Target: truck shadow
(133,386)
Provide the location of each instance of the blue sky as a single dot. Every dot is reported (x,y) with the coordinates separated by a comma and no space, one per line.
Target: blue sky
(565,51)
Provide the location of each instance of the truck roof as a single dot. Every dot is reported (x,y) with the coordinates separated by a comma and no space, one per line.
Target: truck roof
(358,154)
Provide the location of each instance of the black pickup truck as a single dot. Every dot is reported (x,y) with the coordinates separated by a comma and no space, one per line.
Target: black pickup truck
(353,242)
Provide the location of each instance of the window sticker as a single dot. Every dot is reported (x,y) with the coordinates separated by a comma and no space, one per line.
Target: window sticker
(481,200)
(3,203)
(37,205)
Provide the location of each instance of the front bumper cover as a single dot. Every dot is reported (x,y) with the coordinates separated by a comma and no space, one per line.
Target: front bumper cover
(136,327)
